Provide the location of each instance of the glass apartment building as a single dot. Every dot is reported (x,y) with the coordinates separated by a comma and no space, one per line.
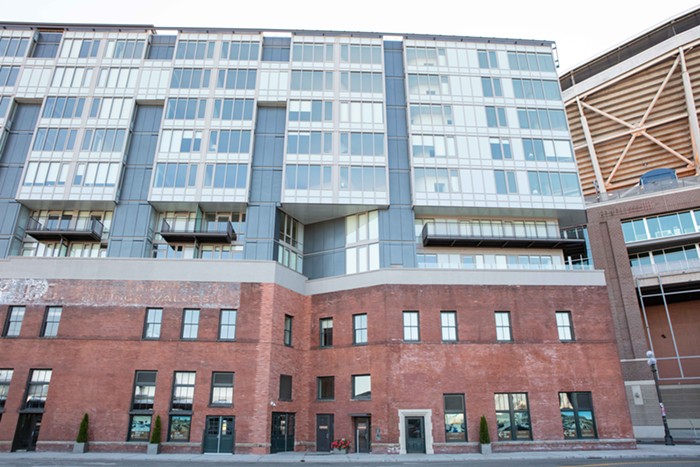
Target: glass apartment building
(273,239)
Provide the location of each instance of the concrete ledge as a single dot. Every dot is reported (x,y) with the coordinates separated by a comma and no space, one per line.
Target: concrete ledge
(146,269)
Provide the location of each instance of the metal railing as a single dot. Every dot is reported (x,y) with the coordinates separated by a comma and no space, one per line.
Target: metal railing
(192,226)
(67,225)
(686,265)
(639,190)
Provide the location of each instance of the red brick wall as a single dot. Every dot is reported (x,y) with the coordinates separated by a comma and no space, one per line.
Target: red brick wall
(99,347)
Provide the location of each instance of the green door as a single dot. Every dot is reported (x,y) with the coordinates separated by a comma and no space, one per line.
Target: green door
(282,437)
(415,435)
(219,434)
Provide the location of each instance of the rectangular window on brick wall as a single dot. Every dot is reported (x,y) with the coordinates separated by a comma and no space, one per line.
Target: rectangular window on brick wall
(190,323)
(577,415)
(326,330)
(222,389)
(361,387)
(5,379)
(285,388)
(359,329)
(448,323)
(13,323)
(154,317)
(181,406)
(411,327)
(565,327)
(51,321)
(326,388)
(227,325)
(455,420)
(142,406)
(512,416)
(37,389)
(288,321)
(503,328)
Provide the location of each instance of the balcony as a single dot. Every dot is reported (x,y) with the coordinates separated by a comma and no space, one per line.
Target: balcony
(68,229)
(450,234)
(198,231)
(686,267)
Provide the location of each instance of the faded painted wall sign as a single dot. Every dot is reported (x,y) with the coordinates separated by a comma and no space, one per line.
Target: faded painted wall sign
(22,290)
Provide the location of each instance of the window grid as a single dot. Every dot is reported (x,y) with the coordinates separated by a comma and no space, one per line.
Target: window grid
(577,416)
(448,321)
(503,328)
(222,389)
(13,324)
(326,329)
(37,389)
(288,321)
(512,416)
(152,325)
(455,420)
(359,325)
(227,326)
(411,330)
(144,390)
(190,323)
(183,391)
(5,379)
(565,327)
(51,321)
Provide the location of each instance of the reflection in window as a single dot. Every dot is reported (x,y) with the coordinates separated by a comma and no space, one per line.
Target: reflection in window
(577,415)
(512,416)
(455,421)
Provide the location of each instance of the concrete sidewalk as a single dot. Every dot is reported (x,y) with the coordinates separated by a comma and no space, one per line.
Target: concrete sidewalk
(650,451)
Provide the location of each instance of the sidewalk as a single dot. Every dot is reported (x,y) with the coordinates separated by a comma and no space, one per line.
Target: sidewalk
(644,451)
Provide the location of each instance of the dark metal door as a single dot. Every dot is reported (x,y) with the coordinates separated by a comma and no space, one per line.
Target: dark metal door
(27,432)
(282,438)
(324,432)
(220,434)
(362,433)
(415,435)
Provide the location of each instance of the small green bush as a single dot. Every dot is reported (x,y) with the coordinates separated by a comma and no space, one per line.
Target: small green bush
(155,433)
(484,437)
(83,431)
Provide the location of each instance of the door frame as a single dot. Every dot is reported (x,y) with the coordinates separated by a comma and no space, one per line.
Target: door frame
(330,429)
(427,415)
(354,441)
(233,434)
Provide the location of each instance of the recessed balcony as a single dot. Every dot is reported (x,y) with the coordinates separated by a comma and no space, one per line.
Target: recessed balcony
(68,229)
(198,231)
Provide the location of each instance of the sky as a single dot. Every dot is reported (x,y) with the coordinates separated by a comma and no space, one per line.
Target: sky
(581,30)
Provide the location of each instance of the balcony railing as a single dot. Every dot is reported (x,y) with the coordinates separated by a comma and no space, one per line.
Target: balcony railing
(686,265)
(570,266)
(639,190)
(69,229)
(198,230)
(450,234)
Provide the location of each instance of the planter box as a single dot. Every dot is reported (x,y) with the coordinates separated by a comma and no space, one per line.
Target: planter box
(339,451)
(79,448)
(485,449)
(153,448)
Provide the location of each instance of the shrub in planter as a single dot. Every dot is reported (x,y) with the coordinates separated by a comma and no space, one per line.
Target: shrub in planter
(154,444)
(81,440)
(484,438)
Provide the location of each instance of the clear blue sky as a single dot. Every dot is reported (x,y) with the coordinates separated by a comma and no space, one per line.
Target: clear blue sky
(581,29)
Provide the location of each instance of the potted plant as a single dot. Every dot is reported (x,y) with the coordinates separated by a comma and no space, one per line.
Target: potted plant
(340,446)
(81,440)
(484,438)
(154,444)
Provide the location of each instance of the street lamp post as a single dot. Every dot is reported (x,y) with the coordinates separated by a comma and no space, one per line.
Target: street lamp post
(651,361)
